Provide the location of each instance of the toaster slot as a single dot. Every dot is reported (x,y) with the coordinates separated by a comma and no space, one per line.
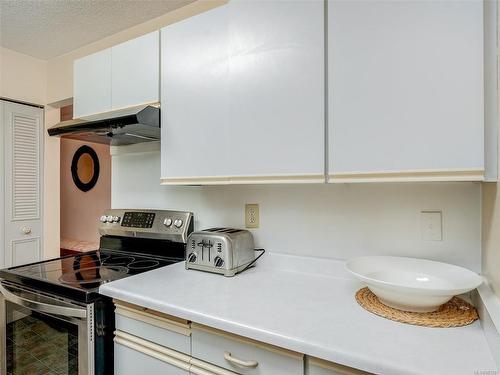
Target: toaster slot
(233,230)
(204,245)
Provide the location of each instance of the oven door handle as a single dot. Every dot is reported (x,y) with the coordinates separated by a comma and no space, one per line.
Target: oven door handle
(43,307)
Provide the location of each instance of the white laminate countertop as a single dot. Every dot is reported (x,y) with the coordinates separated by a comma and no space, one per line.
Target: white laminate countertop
(307,305)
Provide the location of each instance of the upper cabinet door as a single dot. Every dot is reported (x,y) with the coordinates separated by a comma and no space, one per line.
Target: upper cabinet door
(195,96)
(135,71)
(92,84)
(405,90)
(243,90)
(122,76)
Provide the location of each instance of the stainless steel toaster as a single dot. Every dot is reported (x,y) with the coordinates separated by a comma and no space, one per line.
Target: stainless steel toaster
(220,250)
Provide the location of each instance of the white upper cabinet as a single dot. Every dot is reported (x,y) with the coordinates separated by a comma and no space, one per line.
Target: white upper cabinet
(135,71)
(195,96)
(242,89)
(92,84)
(125,75)
(405,90)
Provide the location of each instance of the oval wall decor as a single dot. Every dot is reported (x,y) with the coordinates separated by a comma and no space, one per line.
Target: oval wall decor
(85,168)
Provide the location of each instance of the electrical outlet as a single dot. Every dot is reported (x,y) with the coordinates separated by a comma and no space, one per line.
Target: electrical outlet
(252,215)
(431,225)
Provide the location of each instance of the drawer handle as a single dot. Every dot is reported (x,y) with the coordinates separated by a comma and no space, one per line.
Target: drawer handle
(239,362)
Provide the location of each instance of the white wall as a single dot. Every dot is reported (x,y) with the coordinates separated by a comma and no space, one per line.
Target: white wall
(338,221)
(51,188)
(22,77)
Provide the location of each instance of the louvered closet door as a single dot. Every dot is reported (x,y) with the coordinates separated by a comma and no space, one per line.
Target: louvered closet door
(23,126)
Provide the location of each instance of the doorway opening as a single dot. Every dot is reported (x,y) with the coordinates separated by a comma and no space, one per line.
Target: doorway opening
(85,191)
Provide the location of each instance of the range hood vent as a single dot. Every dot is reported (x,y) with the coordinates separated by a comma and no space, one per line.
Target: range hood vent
(121,127)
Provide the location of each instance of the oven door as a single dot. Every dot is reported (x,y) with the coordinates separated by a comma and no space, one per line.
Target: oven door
(42,334)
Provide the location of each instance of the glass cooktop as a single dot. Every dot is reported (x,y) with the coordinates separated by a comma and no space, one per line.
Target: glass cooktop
(83,273)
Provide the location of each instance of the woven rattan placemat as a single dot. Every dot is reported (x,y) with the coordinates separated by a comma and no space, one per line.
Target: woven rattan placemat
(454,313)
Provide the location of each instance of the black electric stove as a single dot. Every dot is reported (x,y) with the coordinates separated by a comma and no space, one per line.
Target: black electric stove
(78,277)
(55,304)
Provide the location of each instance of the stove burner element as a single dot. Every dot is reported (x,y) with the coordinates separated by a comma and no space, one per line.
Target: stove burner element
(93,275)
(118,261)
(143,264)
(85,260)
(103,257)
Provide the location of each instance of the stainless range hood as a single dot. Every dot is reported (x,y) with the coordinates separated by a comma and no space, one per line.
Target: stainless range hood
(120,127)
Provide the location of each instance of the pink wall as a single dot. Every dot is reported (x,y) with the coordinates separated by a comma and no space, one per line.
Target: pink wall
(80,210)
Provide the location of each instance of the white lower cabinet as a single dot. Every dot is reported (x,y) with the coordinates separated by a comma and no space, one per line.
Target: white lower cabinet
(242,355)
(152,343)
(319,367)
(130,360)
(157,328)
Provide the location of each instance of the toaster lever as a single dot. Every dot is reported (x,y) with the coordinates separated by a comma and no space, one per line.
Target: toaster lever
(209,247)
(204,245)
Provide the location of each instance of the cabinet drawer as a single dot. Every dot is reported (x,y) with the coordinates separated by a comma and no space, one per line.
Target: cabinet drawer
(134,355)
(320,367)
(150,325)
(241,355)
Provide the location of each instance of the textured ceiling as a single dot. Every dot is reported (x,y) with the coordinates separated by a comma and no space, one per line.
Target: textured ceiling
(49,28)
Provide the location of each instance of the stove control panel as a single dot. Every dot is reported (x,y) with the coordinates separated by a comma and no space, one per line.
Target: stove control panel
(138,219)
(159,224)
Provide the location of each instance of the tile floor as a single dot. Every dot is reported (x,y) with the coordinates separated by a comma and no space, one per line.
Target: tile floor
(39,345)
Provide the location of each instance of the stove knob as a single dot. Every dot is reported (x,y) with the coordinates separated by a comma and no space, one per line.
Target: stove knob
(218,262)
(116,219)
(109,219)
(167,222)
(192,258)
(178,223)
(103,219)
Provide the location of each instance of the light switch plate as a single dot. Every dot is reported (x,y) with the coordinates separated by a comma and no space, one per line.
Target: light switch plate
(431,225)
(252,215)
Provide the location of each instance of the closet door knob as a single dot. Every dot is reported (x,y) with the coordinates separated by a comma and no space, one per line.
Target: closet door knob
(26,230)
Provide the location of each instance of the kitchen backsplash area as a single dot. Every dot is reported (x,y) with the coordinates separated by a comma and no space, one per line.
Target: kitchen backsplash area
(336,221)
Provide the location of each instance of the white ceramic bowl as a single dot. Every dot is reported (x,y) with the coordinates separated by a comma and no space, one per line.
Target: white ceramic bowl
(412,284)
